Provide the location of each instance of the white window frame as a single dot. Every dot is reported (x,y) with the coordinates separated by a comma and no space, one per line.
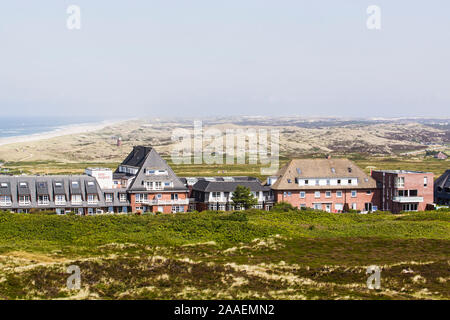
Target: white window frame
(354,193)
(317,194)
(302,194)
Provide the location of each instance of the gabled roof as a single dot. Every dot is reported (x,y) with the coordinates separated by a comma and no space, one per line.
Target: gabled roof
(321,169)
(443,181)
(137,157)
(154,161)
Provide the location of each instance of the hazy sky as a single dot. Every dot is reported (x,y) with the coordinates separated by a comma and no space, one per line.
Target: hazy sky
(225,57)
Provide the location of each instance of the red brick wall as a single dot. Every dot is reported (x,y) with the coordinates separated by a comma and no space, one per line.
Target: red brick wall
(361,198)
(154,208)
(413,181)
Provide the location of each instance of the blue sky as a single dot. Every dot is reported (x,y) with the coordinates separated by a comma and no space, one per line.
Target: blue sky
(210,57)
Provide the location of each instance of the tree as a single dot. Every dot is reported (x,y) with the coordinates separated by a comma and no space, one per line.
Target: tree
(243,197)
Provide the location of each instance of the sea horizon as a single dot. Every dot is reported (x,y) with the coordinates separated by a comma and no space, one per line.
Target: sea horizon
(14,126)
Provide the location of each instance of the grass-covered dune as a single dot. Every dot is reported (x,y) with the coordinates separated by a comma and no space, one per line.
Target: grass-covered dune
(282,254)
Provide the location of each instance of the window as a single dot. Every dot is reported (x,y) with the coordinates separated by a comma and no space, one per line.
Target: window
(159,196)
(368,192)
(349,181)
(215,195)
(400,183)
(90,183)
(23,185)
(409,207)
(413,193)
(24,200)
(140,197)
(328,194)
(338,194)
(76,199)
(339,207)
(92,198)
(4,185)
(5,200)
(43,200)
(354,193)
(177,209)
(302,194)
(58,184)
(306,182)
(425,181)
(75,184)
(289,193)
(122,197)
(317,206)
(302,206)
(317,194)
(158,185)
(328,182)
(354,206)
(60,199)
(289,180)
(109,197)
(333,170)
(174,196)
(339,181)
(317,182)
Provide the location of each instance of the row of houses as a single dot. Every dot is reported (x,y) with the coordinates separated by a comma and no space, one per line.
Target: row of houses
(145,183)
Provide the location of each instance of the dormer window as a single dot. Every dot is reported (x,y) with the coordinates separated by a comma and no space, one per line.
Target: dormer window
(349,169)
(306,182)
(23,185)
(333,170)
(58,184)
(4,185)
(299,171)
(75,184)
(90,184)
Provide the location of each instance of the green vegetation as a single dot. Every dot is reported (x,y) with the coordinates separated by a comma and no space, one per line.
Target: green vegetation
(244,198)
(281,254)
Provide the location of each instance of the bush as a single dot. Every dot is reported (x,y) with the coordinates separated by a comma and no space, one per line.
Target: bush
(283,207)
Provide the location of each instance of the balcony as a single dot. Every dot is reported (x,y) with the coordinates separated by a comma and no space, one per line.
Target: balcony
(156,202)
(407,199)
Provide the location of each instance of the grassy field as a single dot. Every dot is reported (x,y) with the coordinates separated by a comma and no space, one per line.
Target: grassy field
(282,254)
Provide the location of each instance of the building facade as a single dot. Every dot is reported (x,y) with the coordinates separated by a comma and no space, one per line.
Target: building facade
(332,185)
(403,190)
(79,194)
(216,193)
(152,184)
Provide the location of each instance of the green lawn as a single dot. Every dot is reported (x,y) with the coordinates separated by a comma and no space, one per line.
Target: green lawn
(253,254)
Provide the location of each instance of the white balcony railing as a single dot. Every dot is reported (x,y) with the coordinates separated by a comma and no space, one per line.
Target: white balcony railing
(407,199)
(156,202)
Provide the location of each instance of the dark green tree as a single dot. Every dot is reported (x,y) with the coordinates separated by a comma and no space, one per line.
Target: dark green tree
(243,197)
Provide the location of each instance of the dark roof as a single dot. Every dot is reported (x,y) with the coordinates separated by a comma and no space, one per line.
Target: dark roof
(75,187)
(24,188)
(5,189)
(136,157)
(443,181)
(46,185)
(154,161)
(58,187)
(228,186)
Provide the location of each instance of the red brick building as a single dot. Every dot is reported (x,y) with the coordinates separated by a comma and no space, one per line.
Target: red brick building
(154,187)
(332,185)
(402,190)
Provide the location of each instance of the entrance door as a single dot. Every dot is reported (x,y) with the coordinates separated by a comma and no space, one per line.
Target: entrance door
(368,207)
(328,207)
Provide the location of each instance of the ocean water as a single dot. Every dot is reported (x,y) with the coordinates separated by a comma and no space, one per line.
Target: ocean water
(22,126)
